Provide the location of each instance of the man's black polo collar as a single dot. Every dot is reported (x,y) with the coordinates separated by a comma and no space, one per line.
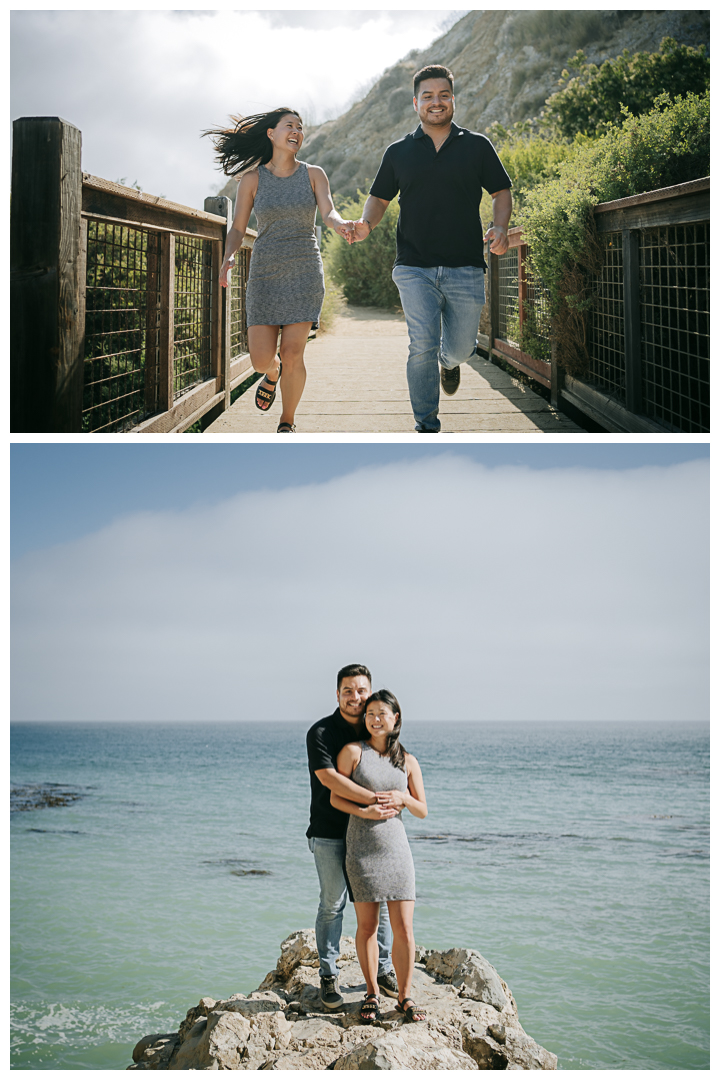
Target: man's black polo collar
(418,133)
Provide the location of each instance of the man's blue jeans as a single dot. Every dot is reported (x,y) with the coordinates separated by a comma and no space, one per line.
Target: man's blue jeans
(329,858)
(442,306)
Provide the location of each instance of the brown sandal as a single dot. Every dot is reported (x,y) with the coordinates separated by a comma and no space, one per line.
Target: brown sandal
(370,1009)
(412,1014)
(264,397)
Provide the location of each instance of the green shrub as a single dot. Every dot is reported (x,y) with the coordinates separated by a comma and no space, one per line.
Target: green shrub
(668,145)
(597,96)
(528,158)
(364,270)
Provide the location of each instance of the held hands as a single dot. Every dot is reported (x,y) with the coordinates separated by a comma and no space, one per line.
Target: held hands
(378,812)
(224,270)
(498,237)
(362,230)
(393,799)
(353,231)
(346,229)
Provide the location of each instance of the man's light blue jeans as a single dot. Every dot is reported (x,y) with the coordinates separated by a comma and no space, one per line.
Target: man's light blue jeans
(442,306)
(329,858)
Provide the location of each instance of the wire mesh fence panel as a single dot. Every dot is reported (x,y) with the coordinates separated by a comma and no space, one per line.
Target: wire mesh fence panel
(193,297)
(536,323)
(238,315)
(606,331)
(119,321)
(675,315)
(509,300)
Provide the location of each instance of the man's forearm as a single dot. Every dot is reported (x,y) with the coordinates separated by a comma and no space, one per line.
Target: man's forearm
(373,210)
(502,209)
(346,788)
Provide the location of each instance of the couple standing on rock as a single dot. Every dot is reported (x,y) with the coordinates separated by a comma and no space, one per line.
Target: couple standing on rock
(361,778)
(439,171)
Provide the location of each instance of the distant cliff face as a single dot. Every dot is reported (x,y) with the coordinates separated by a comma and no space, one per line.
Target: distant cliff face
(505,63)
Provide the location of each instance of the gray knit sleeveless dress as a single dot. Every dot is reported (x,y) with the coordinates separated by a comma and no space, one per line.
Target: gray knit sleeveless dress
(378,861)
(285,282)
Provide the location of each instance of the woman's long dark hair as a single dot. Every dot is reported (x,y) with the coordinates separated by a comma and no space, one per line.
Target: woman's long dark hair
(395,750)
(239,148)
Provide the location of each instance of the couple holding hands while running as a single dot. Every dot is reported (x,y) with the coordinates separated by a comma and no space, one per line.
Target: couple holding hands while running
(361,779)
(439,172)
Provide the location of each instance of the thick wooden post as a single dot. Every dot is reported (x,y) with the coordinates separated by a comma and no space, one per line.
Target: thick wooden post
(631,305)
(222,206)
(47,275)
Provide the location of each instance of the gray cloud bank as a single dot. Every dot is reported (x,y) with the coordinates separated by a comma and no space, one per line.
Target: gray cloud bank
(143,85)
(473,593)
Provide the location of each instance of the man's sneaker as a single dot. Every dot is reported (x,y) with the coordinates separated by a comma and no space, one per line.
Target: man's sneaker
(329,992)
(388,983)
(450,379)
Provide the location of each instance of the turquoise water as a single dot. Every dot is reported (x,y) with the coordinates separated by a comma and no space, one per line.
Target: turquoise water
(573,856)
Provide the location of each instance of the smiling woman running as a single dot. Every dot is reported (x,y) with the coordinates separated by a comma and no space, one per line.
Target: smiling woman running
(378,863)
(285,287)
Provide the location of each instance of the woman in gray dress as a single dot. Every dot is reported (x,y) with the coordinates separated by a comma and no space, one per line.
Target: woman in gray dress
(285,286)
(378,861)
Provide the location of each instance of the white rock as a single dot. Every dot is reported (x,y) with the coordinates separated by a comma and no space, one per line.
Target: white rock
(283,1025)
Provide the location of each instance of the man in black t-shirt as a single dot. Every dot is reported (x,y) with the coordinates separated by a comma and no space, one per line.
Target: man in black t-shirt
(440,171)
(326,832)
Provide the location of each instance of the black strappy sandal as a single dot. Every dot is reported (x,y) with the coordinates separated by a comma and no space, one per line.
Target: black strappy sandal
(370,1009)
(264,397)
(284,428)
(413,1014)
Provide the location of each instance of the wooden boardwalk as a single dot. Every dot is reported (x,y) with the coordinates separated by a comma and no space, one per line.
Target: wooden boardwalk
(356,383)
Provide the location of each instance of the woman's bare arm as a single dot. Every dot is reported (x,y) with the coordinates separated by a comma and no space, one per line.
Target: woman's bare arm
(247,189)
(347,759)
(376,812)
(415,795)
(323,198)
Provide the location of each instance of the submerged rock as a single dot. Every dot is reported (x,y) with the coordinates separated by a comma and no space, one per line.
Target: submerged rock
(472,1021)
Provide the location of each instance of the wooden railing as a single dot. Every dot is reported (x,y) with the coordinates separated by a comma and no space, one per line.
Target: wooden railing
(117,319)
(648,332)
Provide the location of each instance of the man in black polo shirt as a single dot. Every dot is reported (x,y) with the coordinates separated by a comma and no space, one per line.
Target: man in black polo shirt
(326,832)
(439,171)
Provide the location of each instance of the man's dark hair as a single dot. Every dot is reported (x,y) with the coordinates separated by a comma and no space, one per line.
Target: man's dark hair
(433,71)
(350,671)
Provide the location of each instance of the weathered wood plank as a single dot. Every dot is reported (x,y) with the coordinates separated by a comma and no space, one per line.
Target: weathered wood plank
(604,410)
(114,202)
(682,210)
(240,368)
(657,195)
(47,331)
(536,369)
(186,410)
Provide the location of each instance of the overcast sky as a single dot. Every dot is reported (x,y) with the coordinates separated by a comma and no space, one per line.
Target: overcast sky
(472,588)
(143,85)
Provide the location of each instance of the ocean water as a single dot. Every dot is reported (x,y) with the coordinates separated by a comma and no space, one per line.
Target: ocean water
(574,857)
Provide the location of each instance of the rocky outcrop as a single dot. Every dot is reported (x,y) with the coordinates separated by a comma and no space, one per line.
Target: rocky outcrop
(472,1021)
(506,64)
